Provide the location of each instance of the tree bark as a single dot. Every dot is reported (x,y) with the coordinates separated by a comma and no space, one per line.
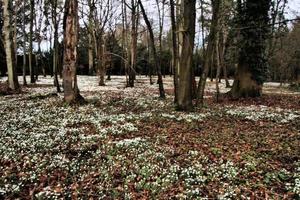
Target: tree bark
(24,44)
(71,24)
(174,51)
(156,59)
(31,68)
(91,41)
(186,42)
(250,74)
(134,35)
(222,48)
(217,59)
(9,49)
(209,52)
(55,48)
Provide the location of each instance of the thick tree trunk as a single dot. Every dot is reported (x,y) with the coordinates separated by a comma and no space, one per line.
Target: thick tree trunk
(8,43)
(244,85)
(71,91)
(252,57)
(186,42)
(156,59)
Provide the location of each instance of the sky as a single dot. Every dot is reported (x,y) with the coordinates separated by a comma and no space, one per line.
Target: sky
(293,8)
(292,11)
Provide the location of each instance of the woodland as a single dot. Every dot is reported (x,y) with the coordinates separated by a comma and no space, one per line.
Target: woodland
(149,99)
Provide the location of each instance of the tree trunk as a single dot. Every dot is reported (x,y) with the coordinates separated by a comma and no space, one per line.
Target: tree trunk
(101,63)
(55,48)
(156,59)
(217,59)
(24,44)
(91,41)
(252,57)
(9,50)
(71,91)
(55,61)
(124,40)
(91,55)
(133,53)
(149,64)
(222,48)
(31,68)
(15,41)
(209,52)
(174,51)
(186,42)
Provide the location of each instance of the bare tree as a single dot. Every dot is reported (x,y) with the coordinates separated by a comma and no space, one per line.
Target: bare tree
(103,14)
(161,20)
(55,21)
(209,51)
(152,44)
(133,46)
(9,49)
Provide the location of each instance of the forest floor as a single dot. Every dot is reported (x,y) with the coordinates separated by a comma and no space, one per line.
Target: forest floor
(126,143)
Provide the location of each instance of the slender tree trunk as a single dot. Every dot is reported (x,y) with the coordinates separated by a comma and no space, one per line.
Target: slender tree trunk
(24,44)
(149,64)
(55,60)
(161,18)
(174,51)
(91,55)
(55,48)
(186,42)
(124,39)
(209,52)
(156,59)
(71,91)
(101,63)
(15,42)
(222,48)
(217,59)
(8,41)
(37,66)
(91,41)
(41,58)
(31,68)
(133,53)
(202,27)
